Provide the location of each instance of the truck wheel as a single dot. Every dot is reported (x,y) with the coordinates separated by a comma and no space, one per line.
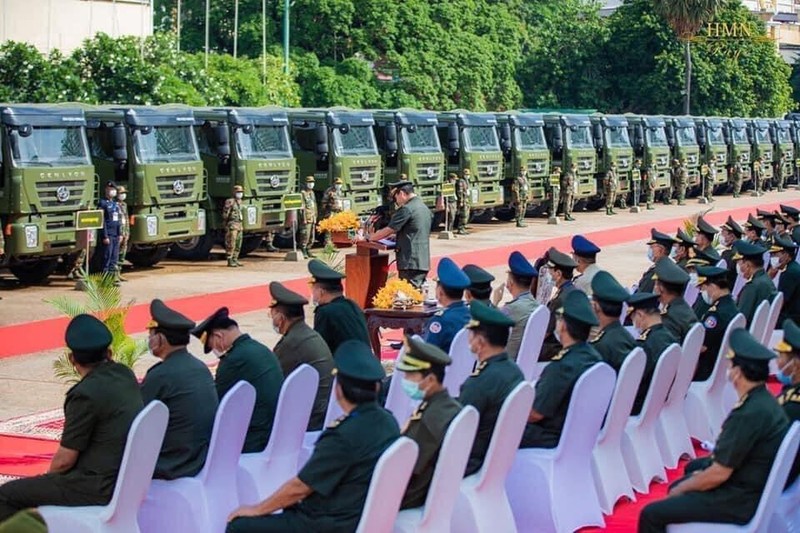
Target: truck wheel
(34,272)
(437,219)
(251,243)
(147,257)
(504,213)
(282,240)
(194,249)
(481,216)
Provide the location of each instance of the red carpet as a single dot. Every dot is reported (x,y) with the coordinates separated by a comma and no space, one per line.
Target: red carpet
(24,456)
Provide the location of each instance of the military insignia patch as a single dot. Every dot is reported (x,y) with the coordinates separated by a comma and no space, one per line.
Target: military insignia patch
(435,327)
(711,322)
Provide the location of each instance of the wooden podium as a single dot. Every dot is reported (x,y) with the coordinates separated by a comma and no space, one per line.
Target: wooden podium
(366,272)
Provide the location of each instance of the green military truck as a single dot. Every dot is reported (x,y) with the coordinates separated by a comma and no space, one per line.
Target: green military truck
(152,151)
(649,140)
(470,142)
(248,147)
(682,140)
(794,129)
(612,143)
(524,148)
(711,139)
(736,137)
(569,138)
(339,143)
(761,144)
(46,175)
(409,144)
(780,133)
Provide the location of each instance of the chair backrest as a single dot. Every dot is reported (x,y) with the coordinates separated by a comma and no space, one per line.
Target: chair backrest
(766,259)
(397,401)
(388,484)
(759,322)
(628,379)
(532,339)
(777,279)
(737,287)
(778,475)
(463,362)
(587,408)
(142,447)
(717,379)
(506,436)
(295,402)
(624,313)
(722,264)
(334,409)
(690,353)
(691,293)
(450,466)
(663,376)
(772,322)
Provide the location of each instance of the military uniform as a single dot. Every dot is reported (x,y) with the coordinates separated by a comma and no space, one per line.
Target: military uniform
(779,177)
(480,284)
(647,282)
(715,321)
(583,247)
(758,184)
(737,178)
(520,308)
(308,219)
(707,176)
(98,412)
(340,320)
(649,182)
(111,231)
(443,326)
(789,398)
(332,200)
(789,281)
(551,346)
(757,289)
(451,203)
(636,182)
(124,229)
(463,202)
(412,226)
(678,318)
(232,219)
(520,191)
(553,188)
(682,182)
(614,343)
(610,184)
(568,181)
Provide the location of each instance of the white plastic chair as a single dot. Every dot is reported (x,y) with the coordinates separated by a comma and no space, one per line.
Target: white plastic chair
(759,322)
(703,407)
(531,346)
(671,429)
(202,503)
(786,518)
(136,470)
(722,264)
(760,523)
(388,484)
(262,473)
(608,466)
(482,503)
(772,321)
(737,286)
(551,489)
(437,513)
(333,412)
(639,442)
(777,279)
(397,401)
(691,293)
(463,362)
(624,313)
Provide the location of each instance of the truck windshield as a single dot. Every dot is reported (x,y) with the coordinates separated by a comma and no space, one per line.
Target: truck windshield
(715,136)
(264,142)
(686,136)
(656,136)
(739,136)
(618,136)
(762,136)
(481,139)
(422,140)
(360,140)
(166,144)
(579,137)
(532,138)
(783,137)
(51,147)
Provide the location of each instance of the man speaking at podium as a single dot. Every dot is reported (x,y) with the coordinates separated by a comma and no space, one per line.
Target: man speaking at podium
(412,225)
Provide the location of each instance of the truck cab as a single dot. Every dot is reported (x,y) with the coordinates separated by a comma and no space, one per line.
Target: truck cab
(649,140)
(780,133)
(736,137)
(758,135)
(152,151)
(682,140)
(711,139)
(524,148)
(46,175)
(570,140)
(339,143)
(612,142)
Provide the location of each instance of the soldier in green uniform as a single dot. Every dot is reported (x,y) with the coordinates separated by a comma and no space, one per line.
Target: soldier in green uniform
(185,385)
(242,358)
(124,229)
(683,248)
(27,521)
(708,258)
(301,345)
(610,184)
(758,287)
(232,219)
(654,338)
(329,492)
(674,175)
(613,342)
(726,487)
(754,230)
(789,376)
(442,327)
(676,315)
(336,318)
(637,178)
(682,182)
(554,191)
(730,233)
(793,214)
(519,197)
(707,173)
(306,230)
(737,177)
(721,309)
(98,412)
(780,179)
(649,184)
(451,203)
(463,202)
(423,366)
(561,267)
(332,203)
(758,185)
(704,237)
(659,248)
(522,304)
(480,284)
(568,181)
(554,387)
(770,221)
(493,379)
(782,260)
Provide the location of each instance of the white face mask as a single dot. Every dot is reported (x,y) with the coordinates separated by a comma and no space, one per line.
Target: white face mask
(239,195)
(338,188)
(706,297)
(218,354)
(309,186)
(739,269)
(693,278)
(651,255)
(557,334)
(112,193)
(123,196)
(774,261)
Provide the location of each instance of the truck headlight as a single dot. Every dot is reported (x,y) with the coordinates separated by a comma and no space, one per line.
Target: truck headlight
(152,225)
(201,220)
(32,236)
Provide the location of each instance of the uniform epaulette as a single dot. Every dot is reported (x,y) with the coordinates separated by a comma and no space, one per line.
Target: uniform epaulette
(643,335)
(337,421)
(598,337)
(418,411)
(478,368)
(559,355)
(740,402)
(712,308)
(440,312)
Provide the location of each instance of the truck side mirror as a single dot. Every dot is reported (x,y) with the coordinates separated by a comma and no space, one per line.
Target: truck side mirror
(453,143)
(670,131)
(321,142)
(390,133)
(223,139)
(119,146)
(25,130)
(505,137)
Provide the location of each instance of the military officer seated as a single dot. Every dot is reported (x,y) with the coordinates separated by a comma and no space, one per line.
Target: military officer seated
(659,247)
(791,212)
(705,234)
(301,345)
(185,385)
(443,326)
(336,318)
(98,412)
(329,492)
(613,342)
(574,322)
(676,314)
(683,248)
(518,282)
(758,287)
(423,366)
(784,252)
(242,358)
(492,380)
(708,257)
(753,230)
(726,487)
(789,376)
(584,252)
(560,267)
(716,293)
(480,284)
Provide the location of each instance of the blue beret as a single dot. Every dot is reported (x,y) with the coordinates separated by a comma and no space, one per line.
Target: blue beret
(450,275)
(519,266)
(584,247)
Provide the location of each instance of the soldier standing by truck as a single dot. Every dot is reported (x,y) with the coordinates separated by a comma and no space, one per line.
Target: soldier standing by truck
(683,181)
(757,173)
(610,188)
(308,218)
(568,191)
(554,191)
(519,197)
(649,184)
(779,183)
(124,229)
(451,203)
(232,219)
(707,174)
(332,203)
(111,229)
(463,202)
(736,177)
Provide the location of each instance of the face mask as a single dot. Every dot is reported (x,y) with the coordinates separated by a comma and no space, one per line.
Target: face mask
(218,354)
(557,334)
(239,195)
(673,254)
(412,390)
(651,255)
(309,186)
(775,261)
(112,193)
(693,278)
(338,188)
(123,196)
(706,297)
(783,377)
(739,269)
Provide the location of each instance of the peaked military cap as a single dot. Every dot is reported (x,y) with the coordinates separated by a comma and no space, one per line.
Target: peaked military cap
(238,188)
(283,296)
(219,320)
(520,266)
(121,189)
(783,243)
(748,250)
(669,272)
(164,318)
(791,337)
(656,237)
(709,255)
(605,287)
(86,333)
(477,275)
(484,315)
(643,300)
(111,185)
(780,218)
(559,259)
(420,355)
(734,227)
(398,184)
(707,229)
(745,346)
(354,359)
(710,274)
(338,181)
(791,212)
(754,223)
(309,179)
(684,239)
(766,215)
(320,272)
(449,275)
(796,234)
(583,247)
(577,307)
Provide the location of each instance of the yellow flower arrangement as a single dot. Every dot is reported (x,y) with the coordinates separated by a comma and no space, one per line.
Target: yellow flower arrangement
(342,221)
(397,293)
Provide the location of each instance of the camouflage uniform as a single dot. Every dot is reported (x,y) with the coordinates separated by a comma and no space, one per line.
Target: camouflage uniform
(682,182)
(519,197)
(232,220)
(463,202)
(649,184)
(636,182)
(708,180)
(124,230)
(673,181)
(450,201)
(331,204)
(610,184)
(736,178)
(757,177)
(779,177)
(568,191)
(307,219)
(554,190)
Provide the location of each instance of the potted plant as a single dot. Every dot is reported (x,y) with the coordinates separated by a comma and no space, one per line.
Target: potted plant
(341,226)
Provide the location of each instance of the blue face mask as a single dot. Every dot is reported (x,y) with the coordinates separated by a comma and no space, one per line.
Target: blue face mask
(412,390)
(784,379)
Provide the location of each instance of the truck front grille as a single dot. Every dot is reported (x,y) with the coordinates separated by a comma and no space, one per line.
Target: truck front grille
(271,182)
(363,177)
(429,173)
(176,187)
(60,194)
(489,170)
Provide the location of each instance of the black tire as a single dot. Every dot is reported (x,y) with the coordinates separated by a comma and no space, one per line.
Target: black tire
(250,244)
(34,272)
(505,214)
(282,240)
(194,249)
(147,257)
(437,219)
(481,216)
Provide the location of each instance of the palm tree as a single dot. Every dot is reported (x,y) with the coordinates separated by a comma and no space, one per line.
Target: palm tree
(686,17)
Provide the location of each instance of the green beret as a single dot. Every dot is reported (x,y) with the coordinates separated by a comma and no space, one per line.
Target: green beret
(576,307)
(218,320)
(710,274)
(283,296)
(643,300)
(420,355)
(484,315)
(558,259)
(669,272)
(791,337)
(354,359)
(605,287)
(706,228)
(745,346)
(164,318)
(86,333)
(320,272)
